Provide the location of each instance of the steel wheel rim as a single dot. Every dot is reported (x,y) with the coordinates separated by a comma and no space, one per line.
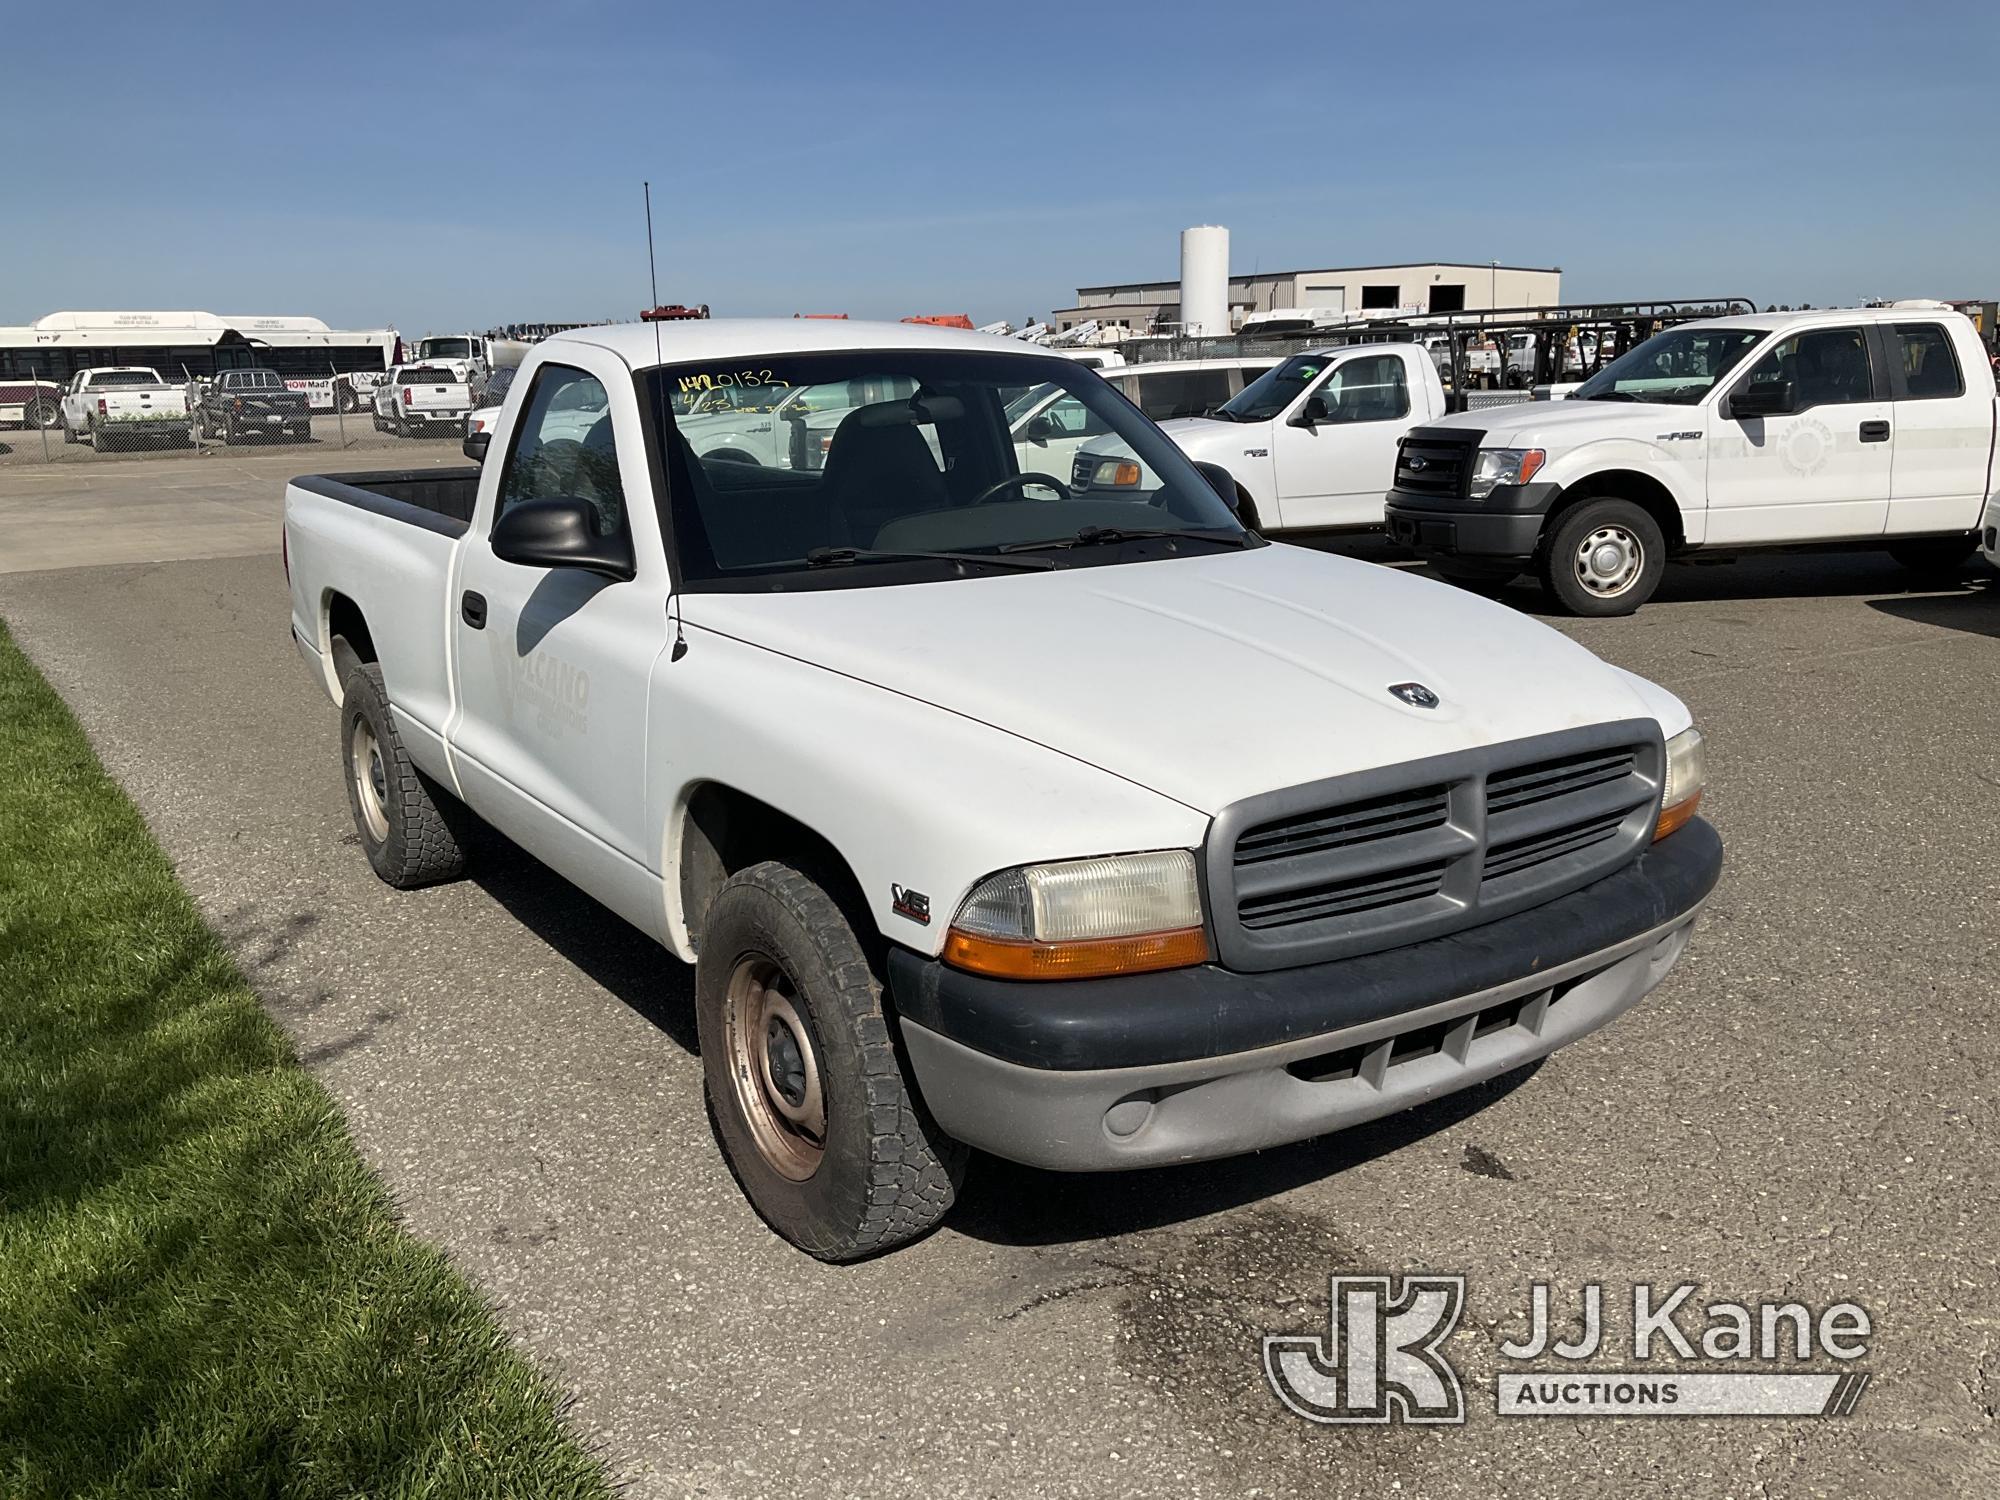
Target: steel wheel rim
(371,781)
(774,1064)
(1609,561)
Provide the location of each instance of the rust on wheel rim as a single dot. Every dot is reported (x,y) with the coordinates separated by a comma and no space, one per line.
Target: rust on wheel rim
(371,781)
(775,1066)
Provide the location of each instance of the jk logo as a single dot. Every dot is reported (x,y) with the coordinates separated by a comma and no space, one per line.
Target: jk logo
(1380,1361)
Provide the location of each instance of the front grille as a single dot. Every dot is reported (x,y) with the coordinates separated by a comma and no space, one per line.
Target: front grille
(1437,460)
(1370,861)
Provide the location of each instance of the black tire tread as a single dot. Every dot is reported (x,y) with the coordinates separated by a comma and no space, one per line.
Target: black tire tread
(423,847)
(913,1168)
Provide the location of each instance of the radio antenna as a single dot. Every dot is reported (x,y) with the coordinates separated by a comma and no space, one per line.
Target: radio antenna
(652,273)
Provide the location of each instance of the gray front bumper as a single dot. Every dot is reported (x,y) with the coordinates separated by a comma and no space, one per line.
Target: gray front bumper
(1112,1119)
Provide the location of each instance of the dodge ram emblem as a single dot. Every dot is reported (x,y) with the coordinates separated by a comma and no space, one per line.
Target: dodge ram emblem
(1415,694)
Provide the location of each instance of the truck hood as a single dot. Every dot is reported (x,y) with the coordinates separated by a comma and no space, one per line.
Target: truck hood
(1570,424)
(1210,439)
(1206,679)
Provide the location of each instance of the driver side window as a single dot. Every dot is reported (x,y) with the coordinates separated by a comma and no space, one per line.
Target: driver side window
(564,447)
(1369,389)
(1826,367)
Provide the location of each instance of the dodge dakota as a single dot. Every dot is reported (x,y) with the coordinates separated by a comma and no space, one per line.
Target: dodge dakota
(1092,831)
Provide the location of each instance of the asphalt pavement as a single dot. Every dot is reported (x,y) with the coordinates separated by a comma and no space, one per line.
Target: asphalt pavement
(1805,1110)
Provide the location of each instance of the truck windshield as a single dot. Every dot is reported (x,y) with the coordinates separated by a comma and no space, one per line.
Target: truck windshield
(880,456)
(1270,393)
(1675,368)
(445,349)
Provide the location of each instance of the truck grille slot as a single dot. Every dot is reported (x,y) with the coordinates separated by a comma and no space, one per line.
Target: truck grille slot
(1375,860)
(1555,778)
(1373,818)
(1342,897)
(1524,854)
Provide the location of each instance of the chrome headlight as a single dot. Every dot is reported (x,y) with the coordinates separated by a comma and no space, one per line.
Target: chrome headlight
(1498,466)
(1122,914)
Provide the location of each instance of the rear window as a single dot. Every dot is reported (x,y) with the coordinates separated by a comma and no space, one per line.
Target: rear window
(256,380)
(1181,393)
(426,375)
(124,377)
(1930,366)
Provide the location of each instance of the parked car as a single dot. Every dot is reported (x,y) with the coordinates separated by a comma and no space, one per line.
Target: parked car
(239,404)
(26,401)
(951,782)
(1871,426)
(1310,445)
(419,397)
(487,414)
(122,404)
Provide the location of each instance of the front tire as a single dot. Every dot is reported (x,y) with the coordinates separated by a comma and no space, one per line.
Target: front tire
(1604,557)
(1936,557)
(410,827)
(805,1091)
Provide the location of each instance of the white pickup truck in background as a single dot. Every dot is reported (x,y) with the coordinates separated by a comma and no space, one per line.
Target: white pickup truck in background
(959,787)
(1311,445)
(1871,426)
(121,405)
(416,398)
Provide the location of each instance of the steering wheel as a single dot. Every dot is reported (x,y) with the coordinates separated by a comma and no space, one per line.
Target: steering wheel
(1018,481)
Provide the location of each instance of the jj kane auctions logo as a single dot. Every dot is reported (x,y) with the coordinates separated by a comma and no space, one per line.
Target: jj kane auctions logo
(1382,1358)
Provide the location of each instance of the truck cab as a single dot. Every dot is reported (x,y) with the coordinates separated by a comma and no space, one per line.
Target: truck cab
(1311,444)
(1871,426)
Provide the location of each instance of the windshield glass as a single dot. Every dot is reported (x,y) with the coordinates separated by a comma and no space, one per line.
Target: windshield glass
(1676,368)
(1272,392)
(915,451)
(445,349)
(498,384)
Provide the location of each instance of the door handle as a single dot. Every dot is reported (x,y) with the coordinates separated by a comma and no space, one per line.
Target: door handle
(472,609)
(1875,432)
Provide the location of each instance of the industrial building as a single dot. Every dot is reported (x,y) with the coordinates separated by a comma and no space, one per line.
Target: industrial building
(1136,307)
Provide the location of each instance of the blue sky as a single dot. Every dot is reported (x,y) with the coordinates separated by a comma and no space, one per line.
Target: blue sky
(891,159)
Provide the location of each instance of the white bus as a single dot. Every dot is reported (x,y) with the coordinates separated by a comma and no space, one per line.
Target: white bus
(330,365)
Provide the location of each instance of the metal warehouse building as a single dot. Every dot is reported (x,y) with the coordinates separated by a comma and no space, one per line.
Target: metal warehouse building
(1440,286)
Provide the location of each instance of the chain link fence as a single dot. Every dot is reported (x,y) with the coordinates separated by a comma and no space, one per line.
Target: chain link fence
(108,415)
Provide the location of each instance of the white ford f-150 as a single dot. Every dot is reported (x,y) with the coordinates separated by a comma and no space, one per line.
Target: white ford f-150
(1870,426)
(1311,444)
(121,403)
(1094,832)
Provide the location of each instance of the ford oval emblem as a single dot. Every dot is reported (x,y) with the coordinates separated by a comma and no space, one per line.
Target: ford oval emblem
(1417,462)
(1415,694)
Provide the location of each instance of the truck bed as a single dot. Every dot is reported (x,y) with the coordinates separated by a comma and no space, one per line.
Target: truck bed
(438,500)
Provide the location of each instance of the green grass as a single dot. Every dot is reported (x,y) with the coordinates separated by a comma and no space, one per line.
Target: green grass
(203,1290)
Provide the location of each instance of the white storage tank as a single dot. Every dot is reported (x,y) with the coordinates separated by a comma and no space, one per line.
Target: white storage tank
(1205,280)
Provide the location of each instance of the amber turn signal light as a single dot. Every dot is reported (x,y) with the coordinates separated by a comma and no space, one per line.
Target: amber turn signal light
(1673,817)
(1090,958)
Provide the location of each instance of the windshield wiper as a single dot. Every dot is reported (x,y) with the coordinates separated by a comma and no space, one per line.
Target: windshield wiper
(828,557)
(1607,396)
(1093,536)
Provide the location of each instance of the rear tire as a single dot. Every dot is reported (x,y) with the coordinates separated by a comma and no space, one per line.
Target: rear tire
(69,433)
(100,441)
(42,413)
(805,1091)
(411,828)
(1604,557)
(1934,556)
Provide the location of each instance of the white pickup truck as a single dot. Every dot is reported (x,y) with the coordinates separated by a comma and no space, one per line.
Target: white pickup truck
(118,405)
(416,398)
(1093,833)
(1311,445)
(1861,426)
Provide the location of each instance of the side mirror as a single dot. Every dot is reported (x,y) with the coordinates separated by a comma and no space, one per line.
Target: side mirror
(1221,481)
(475,445)
(1040,429)
(1311,414)
(561,533)
(1771,398)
